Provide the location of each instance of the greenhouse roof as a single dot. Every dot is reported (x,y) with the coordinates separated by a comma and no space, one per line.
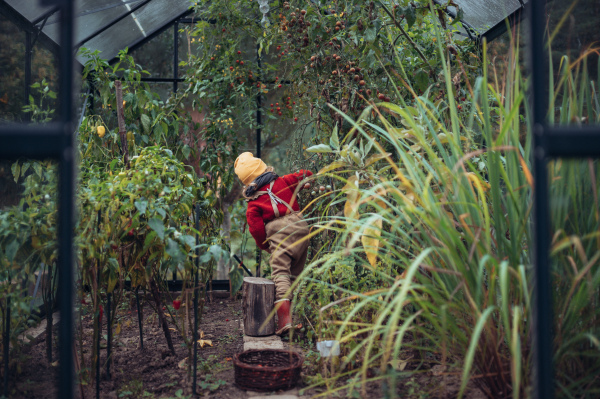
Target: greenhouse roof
(487,17)
(112,25)
(106,25)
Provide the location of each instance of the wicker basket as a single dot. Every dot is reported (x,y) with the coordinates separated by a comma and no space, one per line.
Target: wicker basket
(267,370)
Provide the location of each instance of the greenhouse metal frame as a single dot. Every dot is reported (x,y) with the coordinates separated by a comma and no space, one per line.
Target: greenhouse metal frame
(56,141)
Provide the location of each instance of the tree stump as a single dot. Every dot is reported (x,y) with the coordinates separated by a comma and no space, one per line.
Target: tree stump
(258,298)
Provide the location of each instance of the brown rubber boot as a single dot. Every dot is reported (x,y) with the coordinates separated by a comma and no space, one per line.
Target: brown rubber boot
(284,316)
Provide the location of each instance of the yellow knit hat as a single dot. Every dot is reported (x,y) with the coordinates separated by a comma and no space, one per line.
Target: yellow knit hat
(248,168)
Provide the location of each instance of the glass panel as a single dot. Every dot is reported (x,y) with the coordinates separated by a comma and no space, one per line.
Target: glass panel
(482,15)
(573,27)
(137,26)
(575,222)
(12,70)
(164,90)
(156,55)
(28,273)
(92,15)
(29,9)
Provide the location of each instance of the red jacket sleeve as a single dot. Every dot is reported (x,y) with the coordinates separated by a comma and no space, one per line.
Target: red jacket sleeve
(256,225)
(293,179)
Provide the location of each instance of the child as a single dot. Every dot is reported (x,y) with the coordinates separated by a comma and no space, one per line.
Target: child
(276,224)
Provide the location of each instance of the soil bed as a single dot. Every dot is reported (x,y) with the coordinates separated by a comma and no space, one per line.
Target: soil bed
(156,373)
(151,373)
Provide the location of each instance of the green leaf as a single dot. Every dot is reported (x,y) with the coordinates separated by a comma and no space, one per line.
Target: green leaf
(146,122)
(11,250)
(186,151)
(459,16)
(370,34)
(236,277)
(206,257)
(37,167)
(319,148)
(217,252)
(148,240)
(334,140)
(113,277)
(421,80)
(157,225)
(188,240)
(141,206)
(354,157)
(16,171)
(173,251)
(411,16)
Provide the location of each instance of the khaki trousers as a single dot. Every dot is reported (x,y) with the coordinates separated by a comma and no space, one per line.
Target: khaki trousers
(287,255)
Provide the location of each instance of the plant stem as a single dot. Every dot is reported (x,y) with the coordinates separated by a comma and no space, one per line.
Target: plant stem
(412,43)
(161,316)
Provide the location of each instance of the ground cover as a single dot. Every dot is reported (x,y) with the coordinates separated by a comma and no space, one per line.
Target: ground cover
(150,373)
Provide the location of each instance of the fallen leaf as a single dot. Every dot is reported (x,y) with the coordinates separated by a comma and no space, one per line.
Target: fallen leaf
(399,364)
(182,364)
(204,342)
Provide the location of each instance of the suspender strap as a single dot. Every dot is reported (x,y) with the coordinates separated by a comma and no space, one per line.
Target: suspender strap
(275,200)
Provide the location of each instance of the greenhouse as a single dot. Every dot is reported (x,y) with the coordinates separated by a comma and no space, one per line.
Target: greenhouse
(283,199)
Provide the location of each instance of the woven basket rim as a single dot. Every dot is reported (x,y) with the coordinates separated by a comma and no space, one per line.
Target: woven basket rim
(238,363)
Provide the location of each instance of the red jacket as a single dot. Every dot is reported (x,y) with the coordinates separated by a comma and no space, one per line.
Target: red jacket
(260,211)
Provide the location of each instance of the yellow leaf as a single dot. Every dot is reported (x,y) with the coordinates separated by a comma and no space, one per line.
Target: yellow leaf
(350,206)
(352,193)
(204,342)
(376,157)
(478,182)
(370,240)
(528,174)
(332,166)
(118,329)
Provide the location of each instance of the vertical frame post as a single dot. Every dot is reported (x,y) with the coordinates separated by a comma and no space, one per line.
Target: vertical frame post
(66,215)
(258,143)
(139,312)
(543,378)
(6,347)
